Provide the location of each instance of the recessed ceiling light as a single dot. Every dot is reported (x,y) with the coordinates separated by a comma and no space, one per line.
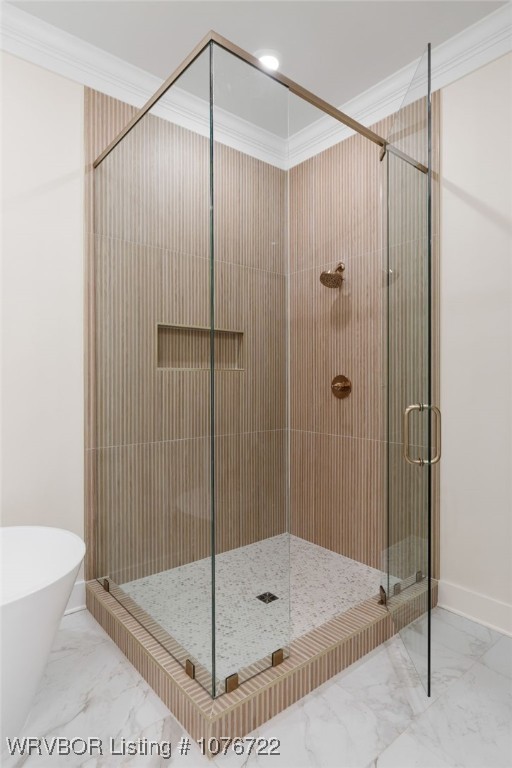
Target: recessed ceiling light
(270,62)
(268,59)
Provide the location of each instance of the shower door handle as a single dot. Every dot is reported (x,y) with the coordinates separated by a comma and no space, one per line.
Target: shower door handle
(407,412)
(437,413)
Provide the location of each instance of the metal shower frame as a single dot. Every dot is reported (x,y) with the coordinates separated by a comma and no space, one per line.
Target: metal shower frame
(293,87)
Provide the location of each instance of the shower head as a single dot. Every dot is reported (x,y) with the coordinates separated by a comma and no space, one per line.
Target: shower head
(334,277)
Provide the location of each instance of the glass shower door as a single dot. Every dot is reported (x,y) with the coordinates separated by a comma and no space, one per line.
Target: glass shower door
(411,414)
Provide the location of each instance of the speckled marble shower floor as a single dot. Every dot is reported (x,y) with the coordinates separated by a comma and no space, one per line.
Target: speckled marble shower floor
(312,584)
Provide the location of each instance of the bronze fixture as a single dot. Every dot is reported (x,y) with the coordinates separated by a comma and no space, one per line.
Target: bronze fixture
(190,669)
(277,657)
(383,598)
(405,427)
(334,277)
(232,683)
(341,387)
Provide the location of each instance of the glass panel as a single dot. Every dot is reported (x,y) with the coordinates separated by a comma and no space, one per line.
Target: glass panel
(252,543)
(152,255)
(409,373)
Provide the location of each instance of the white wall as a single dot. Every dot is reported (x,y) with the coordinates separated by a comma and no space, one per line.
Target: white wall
(42,298)
(476,338)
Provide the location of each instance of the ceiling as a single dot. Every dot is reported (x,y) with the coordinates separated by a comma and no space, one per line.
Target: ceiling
(336,49)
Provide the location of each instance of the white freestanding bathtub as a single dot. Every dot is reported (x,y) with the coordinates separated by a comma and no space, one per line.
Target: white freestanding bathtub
(39,567)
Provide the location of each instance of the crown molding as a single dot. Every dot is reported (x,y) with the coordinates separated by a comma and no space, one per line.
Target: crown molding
(474,47)
(30,38)
(34,40)
(192,112)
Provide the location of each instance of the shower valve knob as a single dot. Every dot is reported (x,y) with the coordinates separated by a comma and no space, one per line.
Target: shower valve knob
(341,387)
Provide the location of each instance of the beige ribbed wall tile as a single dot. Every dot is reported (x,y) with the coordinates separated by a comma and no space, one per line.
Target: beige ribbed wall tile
(97,133)
(338,331)
(229,483)
(338,494)
(249,211)
(153,189)
(262,485)
(153,507)
(263,395)
(151,267)
(263,190)
(335,206)
(183,290)
(337,462)
(227,204)
(104,118)
(254,303)
(125,342)
(182,404)
(228,386)
(229,297)
(336,209)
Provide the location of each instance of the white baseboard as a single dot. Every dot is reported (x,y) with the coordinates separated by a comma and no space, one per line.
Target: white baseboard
(472,605)
(77,600)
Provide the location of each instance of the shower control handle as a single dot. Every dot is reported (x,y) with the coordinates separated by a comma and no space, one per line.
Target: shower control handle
(341,387)
(421,407)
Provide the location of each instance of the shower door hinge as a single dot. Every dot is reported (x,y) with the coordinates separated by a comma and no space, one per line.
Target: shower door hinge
(106,585)
(419,576)
(383,597)
(278,657)
(190,669)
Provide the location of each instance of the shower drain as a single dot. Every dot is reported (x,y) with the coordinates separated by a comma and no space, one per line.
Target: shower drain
(267,597)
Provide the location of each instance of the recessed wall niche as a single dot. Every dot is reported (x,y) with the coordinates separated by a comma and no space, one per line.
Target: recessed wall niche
(188,348)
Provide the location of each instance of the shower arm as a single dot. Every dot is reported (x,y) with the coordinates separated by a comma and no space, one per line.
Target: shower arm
(292,86)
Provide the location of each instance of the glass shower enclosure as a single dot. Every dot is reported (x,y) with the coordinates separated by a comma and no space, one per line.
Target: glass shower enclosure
(191,371)
(191,317)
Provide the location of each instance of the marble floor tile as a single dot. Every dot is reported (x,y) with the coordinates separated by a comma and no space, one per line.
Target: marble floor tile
(167,730)
(89,688)
(456,644)
(470,725)
(365,716)
(461,634)
(351,719)
(375,714)
(388,675)
(499,657)
(407,752)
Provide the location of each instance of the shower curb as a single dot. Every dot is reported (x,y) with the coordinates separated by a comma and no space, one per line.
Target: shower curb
(314,659)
